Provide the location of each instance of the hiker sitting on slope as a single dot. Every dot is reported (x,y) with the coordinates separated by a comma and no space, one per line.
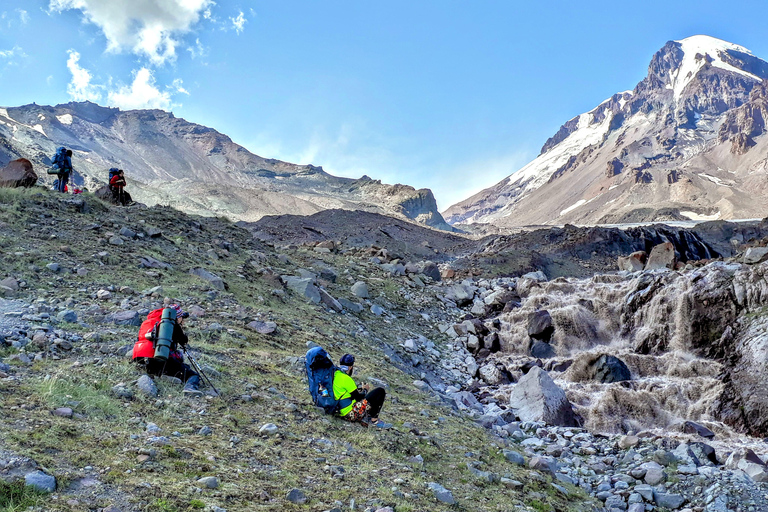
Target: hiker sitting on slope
(116,185)
(157,350)
(365,406)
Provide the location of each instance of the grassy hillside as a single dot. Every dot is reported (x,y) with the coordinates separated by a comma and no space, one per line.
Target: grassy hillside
(132,452)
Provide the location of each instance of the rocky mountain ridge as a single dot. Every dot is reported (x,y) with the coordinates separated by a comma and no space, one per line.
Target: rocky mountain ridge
(686,143)
(195,168)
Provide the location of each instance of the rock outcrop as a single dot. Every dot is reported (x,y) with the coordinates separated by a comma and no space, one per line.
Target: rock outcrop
(18,173)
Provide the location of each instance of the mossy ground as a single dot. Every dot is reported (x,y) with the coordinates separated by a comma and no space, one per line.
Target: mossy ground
(255,471)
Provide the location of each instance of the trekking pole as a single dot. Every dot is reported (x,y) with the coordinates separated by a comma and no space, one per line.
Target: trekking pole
(200,370)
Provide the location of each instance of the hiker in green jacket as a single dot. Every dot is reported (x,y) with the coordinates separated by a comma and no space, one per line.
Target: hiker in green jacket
(366,405)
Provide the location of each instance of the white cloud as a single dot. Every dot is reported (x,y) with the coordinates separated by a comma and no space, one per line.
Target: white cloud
(9,55)
(239,22)
(142,93)
(23,16)
(81,88)
(150,28)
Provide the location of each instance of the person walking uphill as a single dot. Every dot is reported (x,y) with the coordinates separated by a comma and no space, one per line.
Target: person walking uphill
(157,349)
(366,405)
(62,162)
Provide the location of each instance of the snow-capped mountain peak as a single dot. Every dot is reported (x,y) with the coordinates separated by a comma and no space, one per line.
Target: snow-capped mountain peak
(700,50)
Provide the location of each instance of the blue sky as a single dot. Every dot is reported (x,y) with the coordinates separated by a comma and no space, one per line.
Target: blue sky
(450,95)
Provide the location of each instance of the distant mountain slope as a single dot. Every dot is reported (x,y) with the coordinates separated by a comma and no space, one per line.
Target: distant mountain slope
(687,143)
(197,169)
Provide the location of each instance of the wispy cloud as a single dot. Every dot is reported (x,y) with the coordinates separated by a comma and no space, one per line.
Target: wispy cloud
(239,22)
(80,87)
(148,28)
(11,56)
(23,16)
(198,50)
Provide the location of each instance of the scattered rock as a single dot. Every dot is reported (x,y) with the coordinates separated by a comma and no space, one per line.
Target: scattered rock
(40,481)
(210,277)
(68,316)
(441,493)
(296,496)
(270,429)
(147,386)
(360,290)
(209,482)
(262,327)
(304,287)
(610,369)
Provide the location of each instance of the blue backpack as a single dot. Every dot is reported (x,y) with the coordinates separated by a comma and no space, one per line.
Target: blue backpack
(60,157)
(113,172)
(320,372)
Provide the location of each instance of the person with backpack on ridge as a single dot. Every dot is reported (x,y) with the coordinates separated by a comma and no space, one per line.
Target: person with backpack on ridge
(157,349)
(116,184)
(62,161)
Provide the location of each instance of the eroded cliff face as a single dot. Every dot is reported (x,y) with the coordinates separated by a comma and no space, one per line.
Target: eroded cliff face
(695,342)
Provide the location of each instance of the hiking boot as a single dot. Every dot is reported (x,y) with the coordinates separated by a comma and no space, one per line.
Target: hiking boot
(192,387)
(365,421)
(380,424)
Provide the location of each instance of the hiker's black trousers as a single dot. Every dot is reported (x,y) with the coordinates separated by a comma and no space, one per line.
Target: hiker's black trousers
(172,367)
(375,399)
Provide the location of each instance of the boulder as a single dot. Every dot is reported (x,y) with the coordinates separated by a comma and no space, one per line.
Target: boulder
(262,327)
(610,369)
(105,194)
(430,270)
(18,173)
(40,482)
(441,493)
(755,255)
(353,307)
(691,427)
(490,374)
(542,350)
(327,299)
(360,290)
(124,318)
(634,262)
(212,278)
(304,287)
(540,326)
(462,294)
(662,256)
(537,398)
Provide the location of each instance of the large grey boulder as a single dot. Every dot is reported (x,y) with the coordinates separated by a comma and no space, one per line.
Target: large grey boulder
(536,397)
(610,369)
(462,294)
(540,326)
(304,287)
(662,256)
(212,278)
(441,493)
(755,255)
(330,301)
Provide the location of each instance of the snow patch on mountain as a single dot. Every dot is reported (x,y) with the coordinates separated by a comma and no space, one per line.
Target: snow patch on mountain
(700,50)
(65,119)
(537,173)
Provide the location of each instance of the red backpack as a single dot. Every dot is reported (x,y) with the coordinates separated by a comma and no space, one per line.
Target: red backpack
(145,346)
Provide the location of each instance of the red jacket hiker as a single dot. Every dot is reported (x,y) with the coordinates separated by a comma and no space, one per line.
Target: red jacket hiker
(144,352)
